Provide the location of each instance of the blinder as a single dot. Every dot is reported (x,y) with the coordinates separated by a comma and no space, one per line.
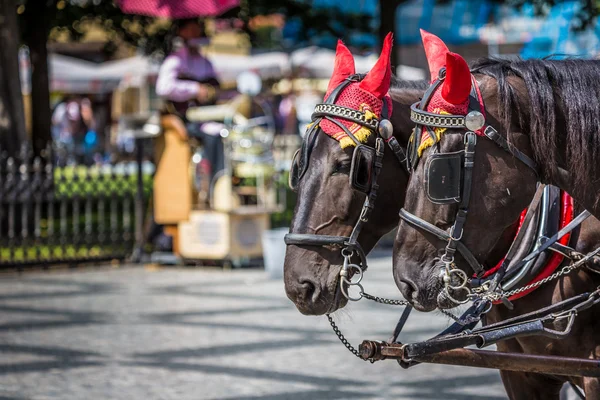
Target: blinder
(361,170)
(294,177)
(301,158)
(443,177)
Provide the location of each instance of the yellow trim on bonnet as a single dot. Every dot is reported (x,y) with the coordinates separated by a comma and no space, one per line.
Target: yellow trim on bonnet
(362,134)
(428,142)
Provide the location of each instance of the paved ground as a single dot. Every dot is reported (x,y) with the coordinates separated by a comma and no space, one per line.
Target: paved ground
(139,333)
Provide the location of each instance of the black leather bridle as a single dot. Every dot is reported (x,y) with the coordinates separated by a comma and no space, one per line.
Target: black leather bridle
(470,123)
(384,133)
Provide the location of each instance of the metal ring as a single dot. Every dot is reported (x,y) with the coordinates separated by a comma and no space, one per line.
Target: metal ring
(347,295)
(345,250)
(462,275)
(360,274)
(455,301)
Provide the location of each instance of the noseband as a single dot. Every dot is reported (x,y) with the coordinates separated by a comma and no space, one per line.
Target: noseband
(361,179)
(443,181)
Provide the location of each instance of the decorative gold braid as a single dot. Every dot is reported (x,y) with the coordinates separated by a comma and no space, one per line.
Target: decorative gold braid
(428,142)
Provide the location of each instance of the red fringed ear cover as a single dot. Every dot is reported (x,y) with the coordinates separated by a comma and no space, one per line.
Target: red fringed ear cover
(377,81)
(435,52)
(367,96)
(342,68)
(453,96)
(457,85)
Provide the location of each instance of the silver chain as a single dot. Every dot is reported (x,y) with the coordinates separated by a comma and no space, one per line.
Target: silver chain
(368,296)
(383,300)
(495,296)
(466,321)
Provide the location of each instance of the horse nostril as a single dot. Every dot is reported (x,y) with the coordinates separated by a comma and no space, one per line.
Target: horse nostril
(408,290)
(308,290)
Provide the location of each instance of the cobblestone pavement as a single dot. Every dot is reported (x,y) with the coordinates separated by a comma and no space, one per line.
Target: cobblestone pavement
(143,333)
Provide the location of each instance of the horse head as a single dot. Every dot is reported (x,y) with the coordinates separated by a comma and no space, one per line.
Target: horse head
(332,175)
(463,185)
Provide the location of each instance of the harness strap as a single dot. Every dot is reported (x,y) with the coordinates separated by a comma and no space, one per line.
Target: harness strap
(345,129)
(399,152)
(493,135)
(531,212)
(307,239)
(400,324)
(550,241)
(370,200)
(524,325)
(461,216)
(441,234)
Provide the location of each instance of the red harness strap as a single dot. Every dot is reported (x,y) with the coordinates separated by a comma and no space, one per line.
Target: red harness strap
(566,216)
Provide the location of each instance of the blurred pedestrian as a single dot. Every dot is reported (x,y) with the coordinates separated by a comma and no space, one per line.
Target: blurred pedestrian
(73,129)
(187,79)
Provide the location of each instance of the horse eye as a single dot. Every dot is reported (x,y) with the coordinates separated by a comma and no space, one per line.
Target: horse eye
(341,167)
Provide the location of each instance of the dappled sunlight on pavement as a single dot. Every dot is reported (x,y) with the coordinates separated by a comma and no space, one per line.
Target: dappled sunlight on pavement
(135,333)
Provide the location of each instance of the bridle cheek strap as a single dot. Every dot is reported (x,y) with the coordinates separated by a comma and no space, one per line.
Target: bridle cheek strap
(456,231)
(441,234)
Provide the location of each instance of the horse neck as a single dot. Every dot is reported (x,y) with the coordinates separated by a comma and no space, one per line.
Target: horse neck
(402,99)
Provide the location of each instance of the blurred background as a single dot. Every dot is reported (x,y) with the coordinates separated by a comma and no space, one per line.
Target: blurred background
(144,156)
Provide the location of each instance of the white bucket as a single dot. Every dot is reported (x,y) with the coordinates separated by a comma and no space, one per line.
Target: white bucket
(274,251)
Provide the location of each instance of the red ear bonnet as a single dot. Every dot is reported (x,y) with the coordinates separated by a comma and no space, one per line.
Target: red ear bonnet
(435,52)
(377,81)
(457,84)
(367,96)
(453,95)
(342,68)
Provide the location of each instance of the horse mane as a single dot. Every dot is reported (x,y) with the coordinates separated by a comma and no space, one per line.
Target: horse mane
(562,113)
(399,88)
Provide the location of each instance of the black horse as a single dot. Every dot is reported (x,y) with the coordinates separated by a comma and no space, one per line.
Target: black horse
(526,121)
(327,203)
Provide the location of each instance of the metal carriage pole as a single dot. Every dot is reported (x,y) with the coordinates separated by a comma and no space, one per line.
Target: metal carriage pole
(554,365)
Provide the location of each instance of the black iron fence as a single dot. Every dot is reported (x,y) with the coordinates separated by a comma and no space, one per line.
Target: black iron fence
(67,214)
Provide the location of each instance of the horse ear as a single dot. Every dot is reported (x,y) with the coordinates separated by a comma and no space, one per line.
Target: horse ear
(377,81)
(457,85)
(435,52)
(342,68)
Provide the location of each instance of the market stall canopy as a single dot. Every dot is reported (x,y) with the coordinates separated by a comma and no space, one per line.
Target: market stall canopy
(134,71)
(317,62)
(272,65)
(177,9)
(72,75)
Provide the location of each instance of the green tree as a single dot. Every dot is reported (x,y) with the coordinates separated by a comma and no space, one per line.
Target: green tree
(12,121)
(37,18)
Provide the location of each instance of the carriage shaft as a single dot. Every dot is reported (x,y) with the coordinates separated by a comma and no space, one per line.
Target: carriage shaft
(553,365)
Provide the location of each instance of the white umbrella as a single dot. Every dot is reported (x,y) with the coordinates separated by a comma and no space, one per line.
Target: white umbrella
(271,65)
(73,75)
(318,62)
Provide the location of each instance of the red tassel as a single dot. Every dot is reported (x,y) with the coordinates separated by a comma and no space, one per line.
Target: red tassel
(377,81)
(342,68)
(435,51)
(457,85)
